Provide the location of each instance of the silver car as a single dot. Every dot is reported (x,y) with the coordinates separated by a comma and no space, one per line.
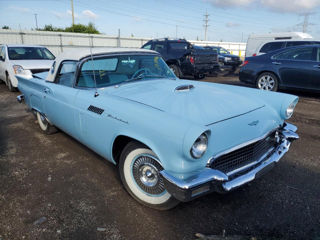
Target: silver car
(23,59)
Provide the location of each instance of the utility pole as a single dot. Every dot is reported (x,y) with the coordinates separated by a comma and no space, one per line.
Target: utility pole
(35,16)
(72,10)
(305,23)
(206,20)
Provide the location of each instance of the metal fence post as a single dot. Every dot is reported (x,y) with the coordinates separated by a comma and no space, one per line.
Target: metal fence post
(118,39)
(21,36)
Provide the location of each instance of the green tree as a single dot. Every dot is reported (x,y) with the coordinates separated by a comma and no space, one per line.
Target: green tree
(5,27)
(50,28)
(80,28)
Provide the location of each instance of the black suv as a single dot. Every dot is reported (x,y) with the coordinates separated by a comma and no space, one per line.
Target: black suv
(184,58)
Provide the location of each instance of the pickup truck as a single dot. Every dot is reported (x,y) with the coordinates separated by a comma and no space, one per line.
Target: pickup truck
(185,59)
(227,61)
(172,140)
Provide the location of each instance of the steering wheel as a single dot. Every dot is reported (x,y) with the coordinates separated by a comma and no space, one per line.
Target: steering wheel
(140,71)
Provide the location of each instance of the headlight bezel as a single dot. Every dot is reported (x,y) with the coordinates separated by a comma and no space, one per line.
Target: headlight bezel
(290,110)
(18,69)
(200,146)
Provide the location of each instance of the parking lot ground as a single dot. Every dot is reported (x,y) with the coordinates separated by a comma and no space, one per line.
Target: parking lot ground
(53,187)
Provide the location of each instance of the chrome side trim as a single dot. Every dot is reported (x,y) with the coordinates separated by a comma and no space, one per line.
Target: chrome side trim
(207,175)
(20,98)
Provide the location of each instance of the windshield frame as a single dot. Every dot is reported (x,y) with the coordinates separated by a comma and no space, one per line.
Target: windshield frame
(112,54)
(30,59)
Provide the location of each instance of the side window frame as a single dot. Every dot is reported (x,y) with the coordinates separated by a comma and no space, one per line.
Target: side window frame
(314,51)
(151,46)
(56,80)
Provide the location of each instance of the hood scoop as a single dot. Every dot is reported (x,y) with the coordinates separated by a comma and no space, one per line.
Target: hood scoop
(184,88)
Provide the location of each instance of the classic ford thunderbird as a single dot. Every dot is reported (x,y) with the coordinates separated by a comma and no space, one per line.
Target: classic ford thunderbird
(173,140)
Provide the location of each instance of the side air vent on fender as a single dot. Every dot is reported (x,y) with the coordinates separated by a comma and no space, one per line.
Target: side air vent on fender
(95,109)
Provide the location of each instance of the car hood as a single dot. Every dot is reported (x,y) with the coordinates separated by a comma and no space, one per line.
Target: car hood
(205,103)
(33,64)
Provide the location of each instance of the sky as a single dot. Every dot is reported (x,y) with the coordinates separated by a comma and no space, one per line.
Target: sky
(229,20)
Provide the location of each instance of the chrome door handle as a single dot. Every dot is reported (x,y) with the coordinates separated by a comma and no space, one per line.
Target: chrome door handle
(316,66)
(276,63)
(46,90)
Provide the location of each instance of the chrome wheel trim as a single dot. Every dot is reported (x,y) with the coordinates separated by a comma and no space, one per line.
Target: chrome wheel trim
(266,82)
(43,123)
(145,171)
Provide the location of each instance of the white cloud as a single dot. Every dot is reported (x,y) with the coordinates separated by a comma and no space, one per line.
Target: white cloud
(66,14)
(291,6)
(89,14)
(232,25)
(294,6)
(20,9)
(70,14)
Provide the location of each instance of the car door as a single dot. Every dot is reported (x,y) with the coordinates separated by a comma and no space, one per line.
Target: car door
(59,97)
(91,121)
(315,74)
(295,67)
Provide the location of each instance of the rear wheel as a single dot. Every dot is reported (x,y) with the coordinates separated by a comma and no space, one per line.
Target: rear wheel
(176,70)
(267,81)
(140,174)
(44,125)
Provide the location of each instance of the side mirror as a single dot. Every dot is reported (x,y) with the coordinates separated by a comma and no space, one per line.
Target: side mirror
(1,58)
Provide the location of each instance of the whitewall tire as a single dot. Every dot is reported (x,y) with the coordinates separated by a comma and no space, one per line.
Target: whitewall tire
(139,170)
(44,125)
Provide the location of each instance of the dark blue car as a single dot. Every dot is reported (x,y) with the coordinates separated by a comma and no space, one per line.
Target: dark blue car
(290,68)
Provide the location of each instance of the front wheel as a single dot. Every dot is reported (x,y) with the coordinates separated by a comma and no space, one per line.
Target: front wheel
(267,81)
(140,174)
(9,84)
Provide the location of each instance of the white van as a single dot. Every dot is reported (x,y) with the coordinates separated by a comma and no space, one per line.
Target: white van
(260,44)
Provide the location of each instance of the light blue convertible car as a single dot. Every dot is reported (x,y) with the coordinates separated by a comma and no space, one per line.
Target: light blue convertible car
(173,140)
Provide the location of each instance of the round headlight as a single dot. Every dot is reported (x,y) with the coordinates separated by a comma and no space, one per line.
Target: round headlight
(290,109)
(199,147)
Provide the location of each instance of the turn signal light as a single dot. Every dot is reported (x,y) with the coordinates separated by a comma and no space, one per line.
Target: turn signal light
(244,63)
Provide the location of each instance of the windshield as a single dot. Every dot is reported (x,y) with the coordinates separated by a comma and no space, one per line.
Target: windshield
(29,53)
(224,51)
(107,71)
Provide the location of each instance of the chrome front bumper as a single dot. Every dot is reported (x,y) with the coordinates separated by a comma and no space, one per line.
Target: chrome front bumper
(211,180)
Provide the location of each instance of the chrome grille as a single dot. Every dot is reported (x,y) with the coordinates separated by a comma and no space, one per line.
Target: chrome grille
(245,155)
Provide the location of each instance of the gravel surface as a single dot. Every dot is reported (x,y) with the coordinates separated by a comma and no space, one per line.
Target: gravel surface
(53,187)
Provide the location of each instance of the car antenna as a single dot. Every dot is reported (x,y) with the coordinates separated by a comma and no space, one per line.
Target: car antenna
(96,94)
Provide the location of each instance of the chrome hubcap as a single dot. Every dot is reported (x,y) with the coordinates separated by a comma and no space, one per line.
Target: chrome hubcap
(145,170)
(266,82)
